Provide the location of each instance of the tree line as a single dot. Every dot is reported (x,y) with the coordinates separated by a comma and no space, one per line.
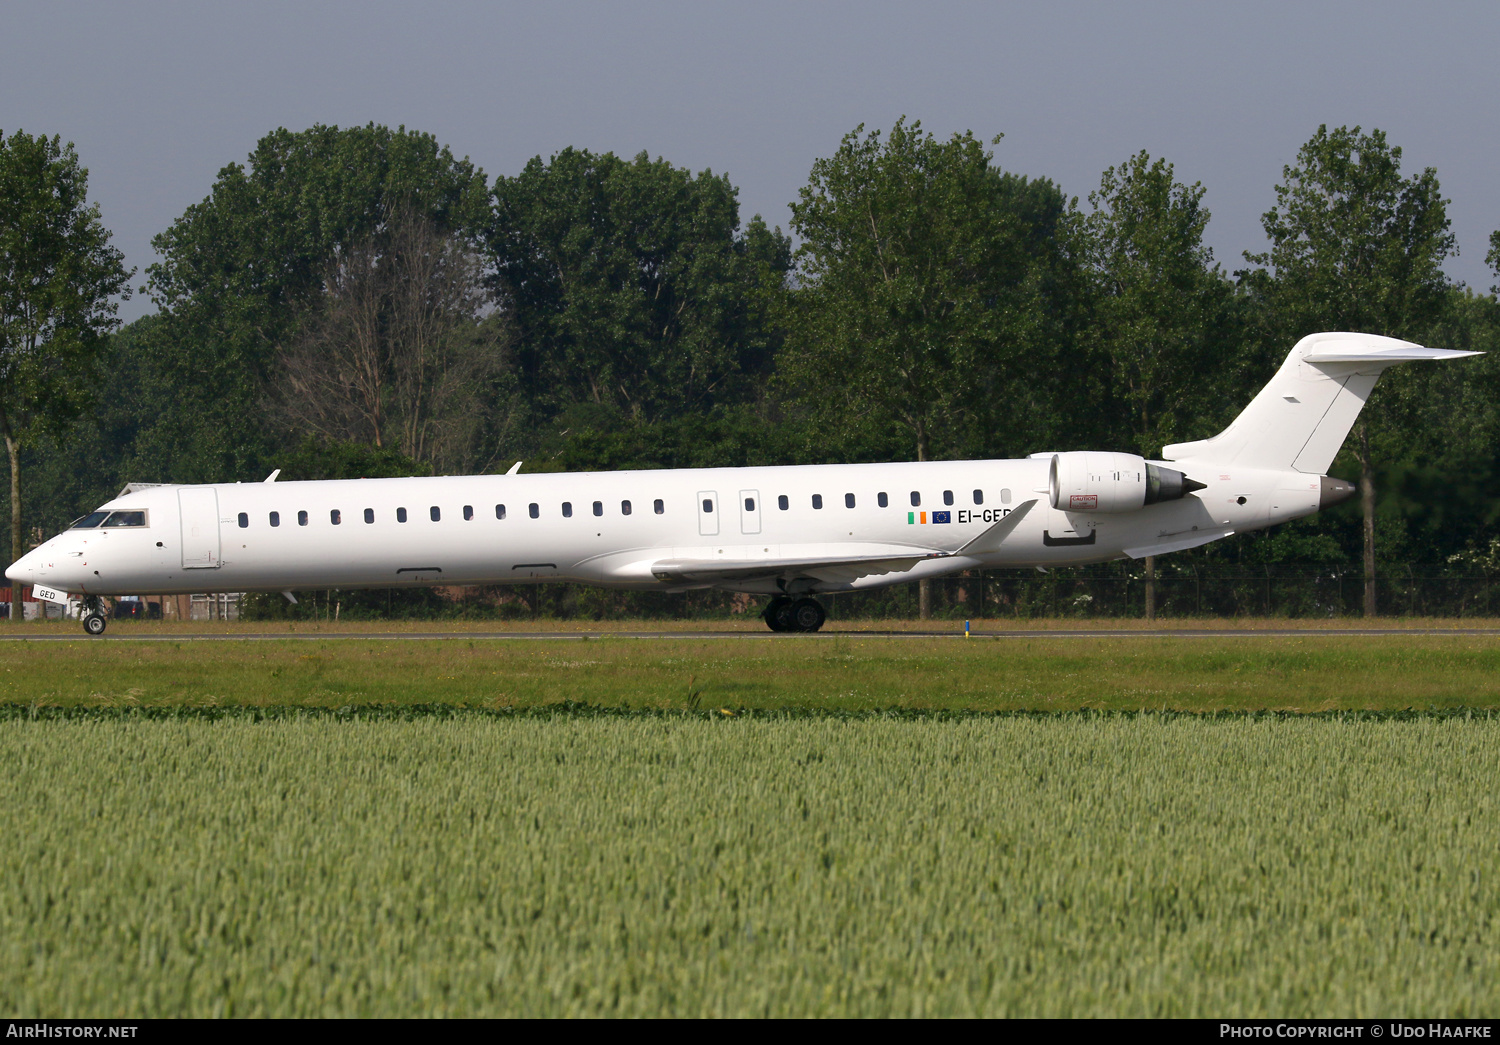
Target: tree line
(359,302)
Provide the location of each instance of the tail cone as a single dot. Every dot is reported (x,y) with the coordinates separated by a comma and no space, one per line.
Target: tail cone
(1335,491)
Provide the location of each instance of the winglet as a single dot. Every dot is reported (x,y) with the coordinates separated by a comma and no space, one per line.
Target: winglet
(272,477)
(990,540)
(514,468)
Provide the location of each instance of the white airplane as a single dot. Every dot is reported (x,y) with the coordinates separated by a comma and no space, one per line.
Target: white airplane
(786,532)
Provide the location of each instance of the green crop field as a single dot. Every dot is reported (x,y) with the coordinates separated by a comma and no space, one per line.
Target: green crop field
(853,672)
(848,825)
(697,863)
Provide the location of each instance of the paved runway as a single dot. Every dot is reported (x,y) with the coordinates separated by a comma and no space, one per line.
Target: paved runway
(579,636)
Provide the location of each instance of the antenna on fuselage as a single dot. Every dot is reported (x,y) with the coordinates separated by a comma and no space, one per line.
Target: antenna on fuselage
(272,477)
(514,468)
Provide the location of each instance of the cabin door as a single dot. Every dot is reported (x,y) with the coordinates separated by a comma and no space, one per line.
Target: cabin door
(198,507)
(708,513)
(749,511)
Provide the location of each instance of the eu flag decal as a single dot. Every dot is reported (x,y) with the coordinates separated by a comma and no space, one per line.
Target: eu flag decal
(942,517)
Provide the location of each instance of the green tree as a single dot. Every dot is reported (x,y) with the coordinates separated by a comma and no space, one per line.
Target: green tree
(927,295)
(1161,305)
(1439,494)
(916,303)
(1493,258)
(58,279)
(243,268)
(398,351)
(1354,246)
(894,315)
(632,288)
(74,470)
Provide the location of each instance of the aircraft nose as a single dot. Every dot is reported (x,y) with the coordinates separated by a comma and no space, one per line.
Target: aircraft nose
(23,570)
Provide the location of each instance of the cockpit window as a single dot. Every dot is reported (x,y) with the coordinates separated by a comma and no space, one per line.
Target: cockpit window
(89,521)
(125,519)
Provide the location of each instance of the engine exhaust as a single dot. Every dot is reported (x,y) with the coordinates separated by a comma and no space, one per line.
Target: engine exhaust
(1168,484)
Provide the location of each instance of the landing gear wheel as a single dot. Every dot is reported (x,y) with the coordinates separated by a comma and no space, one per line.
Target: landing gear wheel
(807,615)
(778,614)
(94,623)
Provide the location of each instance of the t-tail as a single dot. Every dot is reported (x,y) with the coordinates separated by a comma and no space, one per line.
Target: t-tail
(1301,418)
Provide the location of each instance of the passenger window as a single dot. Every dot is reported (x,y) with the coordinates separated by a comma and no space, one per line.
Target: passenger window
(369,515)
(848,500)
(301,518)
(783,503)
(598,507)
(244,520)
(708,506)
(916,499)
(624,507)
(400,514)
(567,509)
(534,510)
(1004,496)
(657,506)
(468,512)
(334,517)
(978,496)
(499,511)
(435,513)
(947,496)
(749,504)
(818,501)
(882,500)
(275,518)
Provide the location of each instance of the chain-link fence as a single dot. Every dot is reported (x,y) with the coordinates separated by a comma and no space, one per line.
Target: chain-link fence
(1110,590)
(1119,590)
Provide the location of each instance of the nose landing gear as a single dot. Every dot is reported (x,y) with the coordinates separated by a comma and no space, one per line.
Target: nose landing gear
(784,614)
(93,615)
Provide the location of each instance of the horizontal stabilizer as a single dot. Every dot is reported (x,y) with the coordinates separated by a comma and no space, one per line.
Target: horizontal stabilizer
(832,569)
(1302,416)
(1355,352)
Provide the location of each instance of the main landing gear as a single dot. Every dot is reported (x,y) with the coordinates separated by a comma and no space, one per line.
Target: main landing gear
(784,614)
(93,615)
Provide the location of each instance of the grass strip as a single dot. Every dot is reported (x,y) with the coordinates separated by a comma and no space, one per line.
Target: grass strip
(1296,674)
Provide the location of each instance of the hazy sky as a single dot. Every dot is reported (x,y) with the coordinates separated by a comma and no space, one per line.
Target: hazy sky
(158,96)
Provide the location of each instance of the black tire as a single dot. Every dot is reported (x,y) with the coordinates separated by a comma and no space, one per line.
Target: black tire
(779,614)
(807,615)
(94,623)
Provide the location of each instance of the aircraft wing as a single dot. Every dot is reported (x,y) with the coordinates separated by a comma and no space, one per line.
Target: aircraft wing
(830,568)
(1178,542)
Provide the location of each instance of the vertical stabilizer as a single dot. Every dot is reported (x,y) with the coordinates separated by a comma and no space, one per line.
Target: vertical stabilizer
(1300,419)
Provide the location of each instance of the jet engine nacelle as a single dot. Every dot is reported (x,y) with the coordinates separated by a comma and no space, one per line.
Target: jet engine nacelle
(1109,482)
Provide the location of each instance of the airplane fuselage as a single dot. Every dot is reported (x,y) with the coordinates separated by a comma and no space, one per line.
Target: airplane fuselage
(616,528)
